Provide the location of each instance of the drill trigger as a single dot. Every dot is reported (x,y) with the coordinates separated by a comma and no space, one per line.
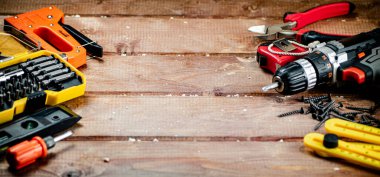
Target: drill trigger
(353,73)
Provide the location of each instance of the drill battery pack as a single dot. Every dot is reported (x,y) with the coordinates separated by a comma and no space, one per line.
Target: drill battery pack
(31,81)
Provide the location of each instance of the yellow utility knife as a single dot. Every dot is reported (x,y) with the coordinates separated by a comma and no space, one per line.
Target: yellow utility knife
(366,152)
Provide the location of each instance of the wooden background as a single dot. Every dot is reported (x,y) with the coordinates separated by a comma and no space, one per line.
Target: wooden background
(178,92)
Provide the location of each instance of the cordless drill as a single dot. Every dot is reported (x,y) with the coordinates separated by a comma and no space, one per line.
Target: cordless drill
(356,58)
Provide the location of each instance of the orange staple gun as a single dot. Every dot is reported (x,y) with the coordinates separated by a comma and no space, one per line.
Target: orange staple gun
(46,25)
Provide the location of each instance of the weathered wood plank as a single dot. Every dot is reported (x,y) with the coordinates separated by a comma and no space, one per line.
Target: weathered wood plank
(187,159)
(137,35)
(191,116)
(164,35)
(189,8)
(176,74)
(202,75)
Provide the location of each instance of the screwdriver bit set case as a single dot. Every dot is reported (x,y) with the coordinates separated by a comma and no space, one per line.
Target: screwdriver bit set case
(30,82)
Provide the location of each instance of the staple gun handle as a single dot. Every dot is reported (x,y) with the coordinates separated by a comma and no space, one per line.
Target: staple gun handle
(91,47)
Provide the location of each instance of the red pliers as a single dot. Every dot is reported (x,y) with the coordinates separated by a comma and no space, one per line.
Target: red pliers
(295,21)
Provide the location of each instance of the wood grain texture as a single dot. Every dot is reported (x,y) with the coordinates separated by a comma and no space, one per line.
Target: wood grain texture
(189,8)
(189,74)
(191,116)
(164,35)
(168,159)
(178,92)
(202,75)
(139,36)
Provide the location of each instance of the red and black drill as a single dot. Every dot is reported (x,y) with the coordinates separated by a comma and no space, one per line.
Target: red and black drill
(354,58)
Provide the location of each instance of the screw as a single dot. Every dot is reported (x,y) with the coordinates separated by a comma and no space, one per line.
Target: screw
(300,111)
(350,116)
(325,118)
(340,117)
(316,116)
(351,113)
(334,109)
(309,110)
(339,105)
(303,99)
(313,107)
(364,120)
(372,119)
(316,98)
(327,111)
(363,109)
(322,113)
(327,107)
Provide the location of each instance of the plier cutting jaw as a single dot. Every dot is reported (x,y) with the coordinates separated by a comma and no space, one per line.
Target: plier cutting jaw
(273,32)
(293,22)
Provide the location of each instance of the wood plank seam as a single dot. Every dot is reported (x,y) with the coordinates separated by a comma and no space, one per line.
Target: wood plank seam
(188,138)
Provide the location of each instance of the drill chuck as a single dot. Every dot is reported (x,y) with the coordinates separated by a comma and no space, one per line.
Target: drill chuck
(319,67)
(295,77)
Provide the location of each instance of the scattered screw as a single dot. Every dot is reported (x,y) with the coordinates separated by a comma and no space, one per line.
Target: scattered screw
(309,110)
(327,107)
(316,116)
(314,107)
(339,105)
(334,109)
(340,117)
(363,109)
(325,112)
(322,107)
(327,117)
(351,113)
(316,98)
(365,120)
(372,119)
(300,111)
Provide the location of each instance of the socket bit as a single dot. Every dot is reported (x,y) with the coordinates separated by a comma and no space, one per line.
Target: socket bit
(41,65)
(47,69)
(7,76)
(53,74)
(58,79)
(36,61)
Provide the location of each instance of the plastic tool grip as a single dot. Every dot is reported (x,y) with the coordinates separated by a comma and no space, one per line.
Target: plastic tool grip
(45,122)
(306,36)
(91,47)
(319,13)
(43,25)
(26,153)
(369,67)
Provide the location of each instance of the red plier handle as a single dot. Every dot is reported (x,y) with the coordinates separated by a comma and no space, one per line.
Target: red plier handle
(319,13)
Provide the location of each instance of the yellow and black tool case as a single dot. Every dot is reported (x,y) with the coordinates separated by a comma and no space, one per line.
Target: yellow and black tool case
(32,80)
